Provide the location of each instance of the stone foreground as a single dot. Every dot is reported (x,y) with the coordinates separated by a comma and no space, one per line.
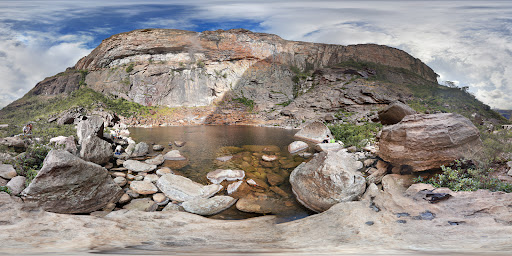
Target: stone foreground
(458,225)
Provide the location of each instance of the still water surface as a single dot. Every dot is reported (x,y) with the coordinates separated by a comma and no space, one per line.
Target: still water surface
(205,143)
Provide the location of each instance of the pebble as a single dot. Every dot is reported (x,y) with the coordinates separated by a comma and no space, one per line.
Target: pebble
(130,176)
(132,193)
(125,198)
(121,181)
(369,223)
(119,174)
(143,187)
(159,197)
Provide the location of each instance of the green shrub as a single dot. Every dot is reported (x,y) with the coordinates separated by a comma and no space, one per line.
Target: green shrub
(30,175)
(246,101)
(460,177)
(200,64)
(355,135)
(5,189)
(32,160)
(129,68)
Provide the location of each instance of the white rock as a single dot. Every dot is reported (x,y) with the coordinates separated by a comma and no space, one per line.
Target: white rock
(269,158)
(297,146)
(164,170)
(219,175)
(151,178)
(234,187)
(143,187)
(137,166)
(179,188)
(174,155)
(121,181)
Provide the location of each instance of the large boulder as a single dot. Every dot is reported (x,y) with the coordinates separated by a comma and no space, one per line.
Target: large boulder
(141,149)
(67,143)
(96,150)
(179,188)
(92,126)
(297,146)
(315,132)
(70,116)
(109,119)
(68,184)
(394,113)
(329,178)
(14,142)
(422,142)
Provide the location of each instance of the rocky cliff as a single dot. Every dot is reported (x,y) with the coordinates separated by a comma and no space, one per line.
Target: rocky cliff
(182,68)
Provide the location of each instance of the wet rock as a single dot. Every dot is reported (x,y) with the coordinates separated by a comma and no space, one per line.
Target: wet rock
(297,146)
(16,185)
(121,181)
(158,160)
(323,147)
(275,179)
(174,155)
(257,183)
(329,178)
(164,170)
(179,188)
(256,204)
(315,132)
(137,166)
(158,147)
(233,187)
(219,175)
(67,142)
(279,191)
(95,150)
(269,158)
(208,206)
(143,187)
(143,204)
(141,149)
(261,148)
(394,113)
(305,154)
(7,171)
(179,143)
(125,198)
(224,158)
(425,142)
(68,184)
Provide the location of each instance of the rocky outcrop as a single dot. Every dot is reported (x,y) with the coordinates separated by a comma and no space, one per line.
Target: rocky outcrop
(394,113)
(68,184)
(423,142)
(92,126)
(64,82)
(329,178)
(14,142)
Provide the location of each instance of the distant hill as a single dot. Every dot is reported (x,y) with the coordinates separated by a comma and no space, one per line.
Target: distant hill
(505,113)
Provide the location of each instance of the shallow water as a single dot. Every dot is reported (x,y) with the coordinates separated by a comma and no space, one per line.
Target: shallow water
(246,144)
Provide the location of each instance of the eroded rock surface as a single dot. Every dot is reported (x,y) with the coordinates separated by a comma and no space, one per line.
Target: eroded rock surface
(425,141)
(394,113)
(315,132)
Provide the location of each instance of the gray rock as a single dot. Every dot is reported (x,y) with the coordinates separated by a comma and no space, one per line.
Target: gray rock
(157,160)
(424,142)
(141,149)
(121,181)
(137,166)
(143,204)
(315,132)
(129,150)
(93,127)
(158,147)
(224,158)
(143,187)
(7,171)
(68,184)
(174,155)
(323,147)
(14,142)
(173,207)
(179,143)
(394,113)
(125,198)
(329,178)
(179,188)
(3,182)
(151,178)
(96,150)
(68,143)
(164,170)
(297,146)
(208,206)
(16,185)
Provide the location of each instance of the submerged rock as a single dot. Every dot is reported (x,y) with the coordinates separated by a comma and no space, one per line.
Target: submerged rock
(224,158)
(329,178)
(68,184)
(157,160)
(233,187)
(219,175)
(179,143)
(208,206)
(269,158)
(315,132)
(174,155)
(425,142)
(297,146)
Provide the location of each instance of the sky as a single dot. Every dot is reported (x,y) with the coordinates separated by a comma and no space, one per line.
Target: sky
(467,42)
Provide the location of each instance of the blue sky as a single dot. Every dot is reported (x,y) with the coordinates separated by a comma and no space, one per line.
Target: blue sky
(468,42)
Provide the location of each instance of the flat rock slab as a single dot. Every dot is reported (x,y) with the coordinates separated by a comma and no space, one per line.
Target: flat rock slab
(143,187)
(174,155)
(143,204)
(297,146)
(68,184)
(219,175)
(224,158)
(208,206)
(157,160)
(315,132)
(137,166)
(179,188)
(322,147)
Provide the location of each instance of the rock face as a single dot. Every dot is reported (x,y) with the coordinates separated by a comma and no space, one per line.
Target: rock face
(67,142)
(315,132)
(208,206)
(394,113)
(425,142)
(92,126)
(181,65)
(329,178)
(68,184)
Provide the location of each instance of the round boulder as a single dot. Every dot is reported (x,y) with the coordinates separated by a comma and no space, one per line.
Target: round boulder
(329,178)
(394,113)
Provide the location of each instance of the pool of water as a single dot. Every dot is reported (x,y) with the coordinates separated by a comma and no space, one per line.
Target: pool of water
(246,145)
